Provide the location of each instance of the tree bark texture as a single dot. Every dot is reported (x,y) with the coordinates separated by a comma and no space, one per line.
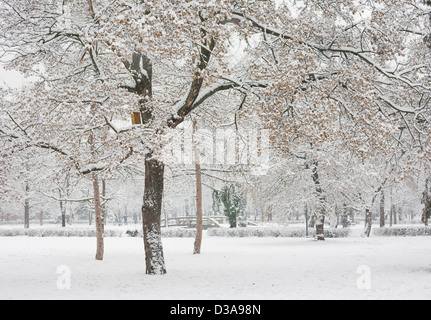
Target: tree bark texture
(368,214)
(63,211)
(27,207)
(426,200)
(151,216)
(199,210)
(103,207)
(382,208)
(368,223)
(98,217)
(321,210)
(97,204)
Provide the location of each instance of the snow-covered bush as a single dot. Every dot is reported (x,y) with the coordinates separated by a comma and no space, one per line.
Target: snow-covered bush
(58,232)
(11,232)
(134,233)
(402,231)
(178,233)
(274,232)
(91,233)
(167,233)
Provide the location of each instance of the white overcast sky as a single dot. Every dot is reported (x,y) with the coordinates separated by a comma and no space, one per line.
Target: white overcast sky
(10,79)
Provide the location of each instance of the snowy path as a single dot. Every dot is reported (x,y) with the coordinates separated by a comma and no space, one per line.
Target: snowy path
(229,268)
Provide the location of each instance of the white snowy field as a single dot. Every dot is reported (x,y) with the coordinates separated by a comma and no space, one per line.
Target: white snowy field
(228,268)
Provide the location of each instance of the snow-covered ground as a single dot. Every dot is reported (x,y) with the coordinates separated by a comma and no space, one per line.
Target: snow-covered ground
(228,268)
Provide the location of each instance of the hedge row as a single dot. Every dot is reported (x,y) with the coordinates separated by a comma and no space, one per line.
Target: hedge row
(172,232)
(60,232)
(90,233)
(402,231)
(178,233)
(275,232)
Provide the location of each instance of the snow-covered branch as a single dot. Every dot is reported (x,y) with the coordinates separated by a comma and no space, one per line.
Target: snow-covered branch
(360,53)
(206,94)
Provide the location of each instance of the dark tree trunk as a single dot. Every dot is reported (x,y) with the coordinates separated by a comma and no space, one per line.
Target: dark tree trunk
(142,71)
(27,207)
(62,210)
(382,208)
(321,210)
(368,223)
(395,215)
(426,200)
(151,216)
(320,228)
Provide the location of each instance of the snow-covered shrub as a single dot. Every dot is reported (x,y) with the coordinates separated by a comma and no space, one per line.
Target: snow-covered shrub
(11,232)
(402,231)
(261,232)
(91,232)
(274,232)
(178,233)
(58,232)
(134,233)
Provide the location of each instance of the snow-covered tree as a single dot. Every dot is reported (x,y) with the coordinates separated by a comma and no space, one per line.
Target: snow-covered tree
(341,77)
(314,72)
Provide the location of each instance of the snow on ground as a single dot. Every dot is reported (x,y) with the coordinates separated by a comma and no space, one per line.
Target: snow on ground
(228,268)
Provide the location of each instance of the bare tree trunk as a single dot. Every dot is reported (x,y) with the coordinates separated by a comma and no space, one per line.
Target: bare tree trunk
(41,217)
(151,216)
(368,215)
(320,227)
(368,223)
(391,215)
(269,214)
(98,217)
(199,213)
(321,210)
(97,205)
(142,70)
(62,210)
(395,215)
(103,208)
(27,207)
(313,221)
(90,217)
(382,208)
(70,215)
(426,200)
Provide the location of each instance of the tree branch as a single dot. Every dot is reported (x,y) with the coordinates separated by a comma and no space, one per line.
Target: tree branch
(91,8)
(175,120)
(238,16)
